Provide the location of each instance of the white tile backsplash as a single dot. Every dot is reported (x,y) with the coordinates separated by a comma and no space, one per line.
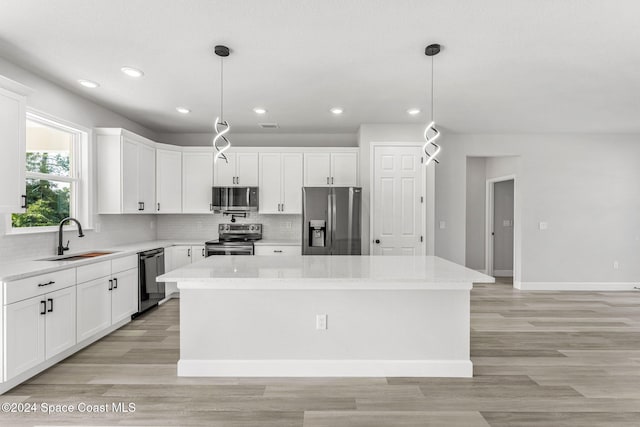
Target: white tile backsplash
(205,227)
(114,230)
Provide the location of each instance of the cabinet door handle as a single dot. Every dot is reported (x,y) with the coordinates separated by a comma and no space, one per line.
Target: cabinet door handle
(158,207)
(142,205)
(210,206)
(51,282)
(331,180)
(189,252)
(110,284)
(24,200)
(327,180)
(202,252)
(278,251)
(44,307)
(115,283)
(50,300)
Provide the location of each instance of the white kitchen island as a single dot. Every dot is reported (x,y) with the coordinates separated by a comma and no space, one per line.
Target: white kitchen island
(263,316)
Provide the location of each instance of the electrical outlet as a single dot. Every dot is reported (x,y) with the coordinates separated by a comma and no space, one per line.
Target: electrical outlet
(543,225)
(616,265)
(97,227)
(321,321)
(288,224)
(443,225)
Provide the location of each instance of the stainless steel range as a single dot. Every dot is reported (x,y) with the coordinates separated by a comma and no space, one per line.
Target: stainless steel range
(234,239)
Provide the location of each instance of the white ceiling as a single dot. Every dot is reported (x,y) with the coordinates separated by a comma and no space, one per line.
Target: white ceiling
(506,65)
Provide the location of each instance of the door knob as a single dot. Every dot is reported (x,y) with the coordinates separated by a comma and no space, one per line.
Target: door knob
(377,241)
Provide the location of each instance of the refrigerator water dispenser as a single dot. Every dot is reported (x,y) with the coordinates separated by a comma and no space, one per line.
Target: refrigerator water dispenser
(317,231)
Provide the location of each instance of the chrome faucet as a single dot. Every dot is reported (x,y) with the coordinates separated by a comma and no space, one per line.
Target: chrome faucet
(61,248)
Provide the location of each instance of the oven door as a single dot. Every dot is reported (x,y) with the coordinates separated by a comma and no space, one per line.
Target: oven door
(229,250)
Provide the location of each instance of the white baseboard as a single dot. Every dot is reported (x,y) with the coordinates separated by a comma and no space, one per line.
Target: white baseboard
(503,273)
(325,368)
(576,286)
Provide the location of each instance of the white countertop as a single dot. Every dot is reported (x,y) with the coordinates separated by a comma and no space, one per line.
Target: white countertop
(325,272)
(21,269)
(275,242)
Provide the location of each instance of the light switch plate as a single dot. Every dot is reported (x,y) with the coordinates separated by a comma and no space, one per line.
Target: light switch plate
(321,321)
(443,225)
(543,225)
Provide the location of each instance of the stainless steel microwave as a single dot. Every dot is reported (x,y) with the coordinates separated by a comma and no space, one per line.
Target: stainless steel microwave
(235,199)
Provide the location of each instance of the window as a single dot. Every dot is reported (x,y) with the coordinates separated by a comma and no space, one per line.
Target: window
(53,166)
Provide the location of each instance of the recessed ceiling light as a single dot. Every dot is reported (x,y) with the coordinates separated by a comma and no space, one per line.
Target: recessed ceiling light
(88,83)
(413,111)
(259,110)
(132,72)
(183,110)
(337,111)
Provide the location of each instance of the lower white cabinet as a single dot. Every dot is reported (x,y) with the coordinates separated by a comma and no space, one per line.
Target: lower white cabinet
(38,328)
(277,250)
(106,301)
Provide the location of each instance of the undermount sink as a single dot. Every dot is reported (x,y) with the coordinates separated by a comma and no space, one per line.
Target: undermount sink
(78,257)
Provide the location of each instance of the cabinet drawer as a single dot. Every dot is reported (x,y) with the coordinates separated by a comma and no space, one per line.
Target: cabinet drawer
(18,290)
(277,250)
(90,272)
(124,263)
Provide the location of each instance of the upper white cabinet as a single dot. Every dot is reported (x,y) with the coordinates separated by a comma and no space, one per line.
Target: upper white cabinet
(280,183)
(241,170)
(126,172)
(168,181)
(197,180)
(13,101)
(339,169)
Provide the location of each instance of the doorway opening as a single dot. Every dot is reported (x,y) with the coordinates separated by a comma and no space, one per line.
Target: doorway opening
(493,213)
(500,214)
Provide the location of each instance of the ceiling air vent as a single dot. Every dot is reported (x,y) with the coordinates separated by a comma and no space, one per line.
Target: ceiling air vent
(268,125)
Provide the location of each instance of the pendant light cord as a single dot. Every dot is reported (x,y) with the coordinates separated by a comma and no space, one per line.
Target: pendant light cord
(221,90)
(433,111)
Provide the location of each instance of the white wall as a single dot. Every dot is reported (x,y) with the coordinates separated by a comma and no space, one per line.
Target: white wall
(64,104)
(583,186)
(269,139)
(475,213)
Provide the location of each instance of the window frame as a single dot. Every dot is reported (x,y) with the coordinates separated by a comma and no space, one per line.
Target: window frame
(79,178)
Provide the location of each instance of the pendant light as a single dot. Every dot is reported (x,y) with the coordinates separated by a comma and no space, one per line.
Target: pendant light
(220,142)
(431,133)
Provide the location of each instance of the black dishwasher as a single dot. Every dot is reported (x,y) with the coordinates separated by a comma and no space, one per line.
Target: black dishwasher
(150,292)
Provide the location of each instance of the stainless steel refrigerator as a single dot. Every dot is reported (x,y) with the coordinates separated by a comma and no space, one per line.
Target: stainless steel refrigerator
(331,220)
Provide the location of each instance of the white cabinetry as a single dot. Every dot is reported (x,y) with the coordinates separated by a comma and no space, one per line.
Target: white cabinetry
(38,328)
(339,169)
(179,256)
(12,145)
(168,181)
(278,250)
(197,180)
(280,183)
(126,172)
(109,296)
(241,170)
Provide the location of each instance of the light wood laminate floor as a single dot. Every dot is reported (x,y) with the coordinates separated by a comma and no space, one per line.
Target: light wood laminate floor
(540,359)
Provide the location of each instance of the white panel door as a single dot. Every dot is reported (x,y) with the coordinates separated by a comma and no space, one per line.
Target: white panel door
(247,169)
(317,169)
(398,193)
(60,321)
(93,307)
(130,182)
(225,172)
(168,181)
(24,340)
(147,178)
(12,147)
(198,253)
(197,180)
(124,295)
(344,169)
(270,183)
(291,183)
